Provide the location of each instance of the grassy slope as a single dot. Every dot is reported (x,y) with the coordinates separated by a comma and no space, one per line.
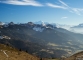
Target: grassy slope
(14,54)
(78,56)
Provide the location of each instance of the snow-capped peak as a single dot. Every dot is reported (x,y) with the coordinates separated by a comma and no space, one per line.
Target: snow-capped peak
(40,23)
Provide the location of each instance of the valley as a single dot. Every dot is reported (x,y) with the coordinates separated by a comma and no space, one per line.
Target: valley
(51,42)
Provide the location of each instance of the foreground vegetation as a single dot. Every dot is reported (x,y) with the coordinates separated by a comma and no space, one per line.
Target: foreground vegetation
(10,53)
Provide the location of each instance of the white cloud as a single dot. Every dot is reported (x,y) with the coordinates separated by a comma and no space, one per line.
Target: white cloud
(55,6)
(64,17)
(63,5)
(22,2)
(77,10)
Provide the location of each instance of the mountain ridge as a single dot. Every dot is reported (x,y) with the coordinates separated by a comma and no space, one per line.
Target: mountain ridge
(47,43)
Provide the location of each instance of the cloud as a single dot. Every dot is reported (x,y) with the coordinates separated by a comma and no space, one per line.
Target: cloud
(55,6)
(77,10)
(64,17)
(63,5)
(22,2)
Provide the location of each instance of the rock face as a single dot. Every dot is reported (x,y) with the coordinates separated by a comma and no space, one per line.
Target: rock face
(10,53)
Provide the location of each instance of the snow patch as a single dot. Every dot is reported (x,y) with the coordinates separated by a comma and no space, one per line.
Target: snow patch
(38,29)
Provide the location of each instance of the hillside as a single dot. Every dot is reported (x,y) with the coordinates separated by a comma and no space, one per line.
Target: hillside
(77,56)
(10,53)
(45,41)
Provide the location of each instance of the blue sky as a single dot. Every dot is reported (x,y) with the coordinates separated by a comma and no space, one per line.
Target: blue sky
(54,11)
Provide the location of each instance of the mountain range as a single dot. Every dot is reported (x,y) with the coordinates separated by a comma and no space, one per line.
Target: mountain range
(41,39)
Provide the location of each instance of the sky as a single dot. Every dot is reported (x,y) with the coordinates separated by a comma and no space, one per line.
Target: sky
(68,12)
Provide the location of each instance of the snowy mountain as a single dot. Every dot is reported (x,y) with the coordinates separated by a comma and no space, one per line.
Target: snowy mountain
(41,25)
(53,24)
(48,40)
(77,29)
